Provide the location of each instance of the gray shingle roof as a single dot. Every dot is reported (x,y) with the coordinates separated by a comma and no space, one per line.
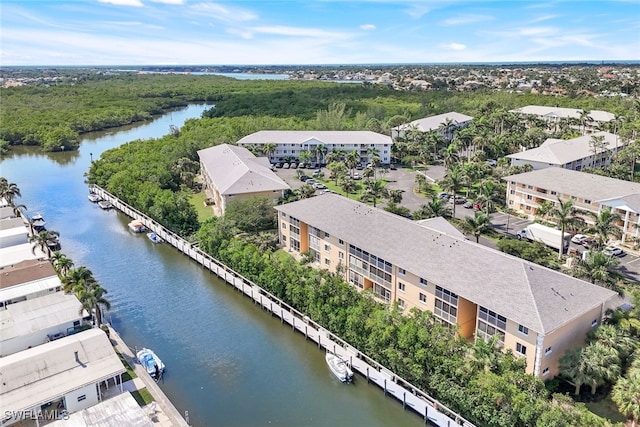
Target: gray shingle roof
(324,136)
(534,296)
(236,171)
(561,151)
(574,113)
(580,184)
(433,123)
(630,201)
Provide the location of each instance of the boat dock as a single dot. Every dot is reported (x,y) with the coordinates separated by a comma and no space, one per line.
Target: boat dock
(411,397)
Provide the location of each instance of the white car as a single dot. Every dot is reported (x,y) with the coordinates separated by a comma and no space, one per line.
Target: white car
(578,238)
(613,251)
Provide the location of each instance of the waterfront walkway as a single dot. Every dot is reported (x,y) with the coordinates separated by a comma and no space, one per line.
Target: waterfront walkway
(411,397)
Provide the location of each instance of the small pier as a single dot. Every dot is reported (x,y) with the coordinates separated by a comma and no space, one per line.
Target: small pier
(409,395)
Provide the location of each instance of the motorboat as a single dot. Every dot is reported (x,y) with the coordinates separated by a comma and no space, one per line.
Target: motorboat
(38,222)
(94,198)
(339,367)
(137,226)
(151,363)
(154,237)
(105,204)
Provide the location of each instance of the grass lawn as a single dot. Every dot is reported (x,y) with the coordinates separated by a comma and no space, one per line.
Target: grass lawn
(130,374)
(605,408)
(360,188)
(142,396)
(204,212)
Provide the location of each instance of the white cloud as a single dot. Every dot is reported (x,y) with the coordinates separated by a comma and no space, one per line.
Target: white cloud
(176,2)
(467,19)
(367,27)
(417,10)
(282,30)
(245,34)
(538,31)
(453,46)
(134,3)
(543,18)
(223,13)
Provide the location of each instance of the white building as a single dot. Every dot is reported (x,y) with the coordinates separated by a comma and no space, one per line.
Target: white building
(27,280)
(66,372)
(453,121)
(556,114)
(13,231)
(576,154)
(118,411)
(12,255)
(290,143)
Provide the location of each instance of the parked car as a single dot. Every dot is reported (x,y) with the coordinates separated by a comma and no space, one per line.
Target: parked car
(578,238)
(356,176)
(443,195)
(613,251)
(304,178)
(360,167)
(588,242)
(467,205)
(286,166)
(294,165)
(459,200)
(302,165)
(316,173)
(492,163)
(392,166)
(319,186)
(279,165)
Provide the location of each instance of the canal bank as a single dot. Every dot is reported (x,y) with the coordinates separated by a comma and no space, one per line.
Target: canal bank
(411,397)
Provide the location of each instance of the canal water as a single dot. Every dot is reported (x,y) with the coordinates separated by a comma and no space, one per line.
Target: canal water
(228,362)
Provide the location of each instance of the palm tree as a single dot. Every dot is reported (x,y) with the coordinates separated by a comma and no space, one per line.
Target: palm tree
(17,210)
(347,185)
(352,160)
(320,150)
(43,240)
(610,336)
(626,395)
(476,225)
(8,190)
(584,119)
(488,194)
(374,190)
(433,209)
(92,299)
(565,216)
(61,263)
(597,268)
(77,278)
(544,208)
(305,156)
(603,364)
(305,192)
(573,366)
(605,225)
(452,183)
(394,196)
(268,148)
(485,353)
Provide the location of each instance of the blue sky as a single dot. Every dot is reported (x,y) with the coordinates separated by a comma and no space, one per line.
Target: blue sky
(247,32)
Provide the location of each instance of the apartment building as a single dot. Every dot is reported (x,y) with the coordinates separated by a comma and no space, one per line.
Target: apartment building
(446,124)
(289,144)
(575,154)
(589,192)
(554,115)
(231,173)
(538,313)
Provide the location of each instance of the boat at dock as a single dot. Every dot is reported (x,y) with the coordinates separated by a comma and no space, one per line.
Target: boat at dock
(154,237)
(94,198)
(137,226)
(38,222)
(105,204)
(339,367)
(151,363)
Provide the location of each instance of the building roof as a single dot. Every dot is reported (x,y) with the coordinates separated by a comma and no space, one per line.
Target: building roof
(441,225)
(49,371)
(575,183)
(12,255)
(38,314)
(7,212)
(434,122)
(630,202)
(118,411)
(10,223)
(235,170)
(322,136)
(25,271)
(25,289)
(563,113)
(534,296)
(563,151)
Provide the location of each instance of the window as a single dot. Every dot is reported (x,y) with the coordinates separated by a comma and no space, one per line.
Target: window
(401,286)
(81,398)
(521,349)
(529,197)
(545,371)
(327,248)
(512,191)
(594,323)
(523,330)
(340,255)
(547,351)
(326,235)
(553,193)
(587,201)
(341,241)
(327,261)
(423,298)
(284,225)
(400,304)
(76,323)
(423,281)
(284,239)
(530,187)
(402,271)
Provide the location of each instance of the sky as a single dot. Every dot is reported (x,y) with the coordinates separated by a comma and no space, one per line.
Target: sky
(315,32)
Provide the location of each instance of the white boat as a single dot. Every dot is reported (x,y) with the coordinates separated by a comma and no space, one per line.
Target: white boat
(150,362)
(154,237)
(38,222)
(137,226)
(94,198)
(339,367)
(105,204)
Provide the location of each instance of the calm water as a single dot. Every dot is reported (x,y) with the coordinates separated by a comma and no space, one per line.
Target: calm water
(228,362)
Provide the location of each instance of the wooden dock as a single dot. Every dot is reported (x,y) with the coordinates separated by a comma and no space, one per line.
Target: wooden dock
(411,397)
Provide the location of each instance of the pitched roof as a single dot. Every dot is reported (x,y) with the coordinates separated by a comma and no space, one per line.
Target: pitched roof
(25,271)
(441,225)
(12,255)
(234,170)
(563,151)
(49,371)
(534,296)
(118,411)
(433,122)
(630,202)
(579,184)
(7,212)
(324,136)
(560,112)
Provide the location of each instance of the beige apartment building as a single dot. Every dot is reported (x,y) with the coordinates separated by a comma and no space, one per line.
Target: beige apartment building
(538,313)
(589,192)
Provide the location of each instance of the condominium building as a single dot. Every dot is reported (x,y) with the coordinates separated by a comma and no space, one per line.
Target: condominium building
(593,119)
(289,143)
(231,173)
(537,313)
(589,192)
(576,153)
(446,124)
